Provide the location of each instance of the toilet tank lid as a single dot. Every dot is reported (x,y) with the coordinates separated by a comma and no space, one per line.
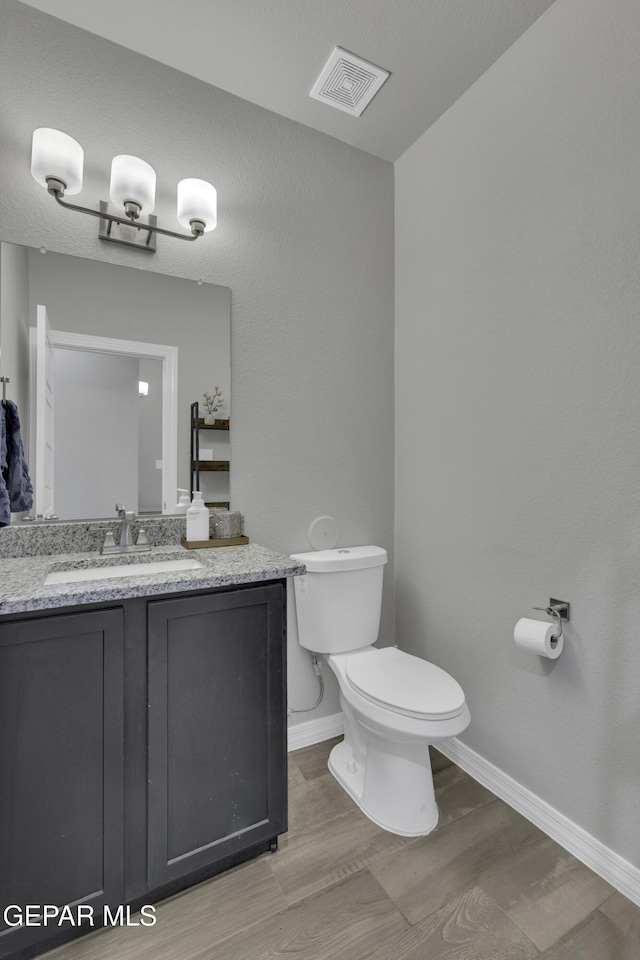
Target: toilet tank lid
(342,558)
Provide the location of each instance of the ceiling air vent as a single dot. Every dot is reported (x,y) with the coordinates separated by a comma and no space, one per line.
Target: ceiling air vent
(348,82)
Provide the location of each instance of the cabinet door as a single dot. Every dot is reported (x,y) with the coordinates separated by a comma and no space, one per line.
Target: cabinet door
(217,728)
(61,767)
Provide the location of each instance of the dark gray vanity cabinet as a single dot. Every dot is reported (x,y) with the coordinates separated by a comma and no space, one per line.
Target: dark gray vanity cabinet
(61,766)
(217,781)
(142,749)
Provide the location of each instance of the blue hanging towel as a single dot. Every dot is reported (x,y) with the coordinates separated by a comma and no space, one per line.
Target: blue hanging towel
(16,490)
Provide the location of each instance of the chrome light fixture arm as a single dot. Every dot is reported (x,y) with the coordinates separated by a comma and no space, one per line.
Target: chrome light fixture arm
(57,187)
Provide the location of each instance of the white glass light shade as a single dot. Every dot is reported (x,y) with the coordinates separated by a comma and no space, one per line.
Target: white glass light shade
(55,154)
(143,386)
(133,180)
(197,200)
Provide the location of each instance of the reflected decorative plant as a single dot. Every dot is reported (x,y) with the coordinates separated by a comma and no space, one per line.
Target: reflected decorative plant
(213,401)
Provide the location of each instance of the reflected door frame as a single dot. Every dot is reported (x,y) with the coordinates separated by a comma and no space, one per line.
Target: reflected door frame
(143,351)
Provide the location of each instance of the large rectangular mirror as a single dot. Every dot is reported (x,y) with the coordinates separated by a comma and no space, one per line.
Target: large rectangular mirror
(130,351)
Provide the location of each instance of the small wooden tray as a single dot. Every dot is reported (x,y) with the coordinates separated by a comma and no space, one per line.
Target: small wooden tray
(213,542)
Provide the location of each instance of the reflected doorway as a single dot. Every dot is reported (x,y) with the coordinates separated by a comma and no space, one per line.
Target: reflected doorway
(107,440)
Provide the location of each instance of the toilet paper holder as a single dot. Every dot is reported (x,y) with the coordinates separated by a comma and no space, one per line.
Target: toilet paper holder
(560,609)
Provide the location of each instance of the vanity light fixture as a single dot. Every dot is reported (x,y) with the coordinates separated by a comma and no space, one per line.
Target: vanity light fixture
(143,388)
(57,161)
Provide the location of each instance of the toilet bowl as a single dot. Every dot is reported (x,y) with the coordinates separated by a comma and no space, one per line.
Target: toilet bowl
(383,762)
(394,704)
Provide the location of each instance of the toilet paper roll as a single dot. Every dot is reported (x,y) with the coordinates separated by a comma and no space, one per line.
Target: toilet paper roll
(537,636)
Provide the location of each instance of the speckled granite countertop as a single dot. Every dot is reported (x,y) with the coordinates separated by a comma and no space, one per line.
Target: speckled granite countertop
(22,586)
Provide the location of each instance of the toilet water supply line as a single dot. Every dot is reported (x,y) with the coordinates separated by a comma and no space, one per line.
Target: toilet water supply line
(317,667)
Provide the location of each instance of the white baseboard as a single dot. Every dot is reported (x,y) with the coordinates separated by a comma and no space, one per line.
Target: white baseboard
(621,874)
(314,731)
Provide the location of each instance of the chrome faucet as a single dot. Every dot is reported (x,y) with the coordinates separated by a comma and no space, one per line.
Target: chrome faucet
(127,517)
(126,544)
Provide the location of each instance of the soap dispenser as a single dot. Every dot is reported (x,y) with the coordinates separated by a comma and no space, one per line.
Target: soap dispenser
(197,519)
(184,502)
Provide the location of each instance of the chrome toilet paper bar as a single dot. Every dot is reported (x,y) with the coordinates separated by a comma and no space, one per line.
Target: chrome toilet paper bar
(560,609)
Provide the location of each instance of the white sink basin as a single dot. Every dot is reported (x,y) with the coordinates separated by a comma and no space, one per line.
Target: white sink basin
(78,575)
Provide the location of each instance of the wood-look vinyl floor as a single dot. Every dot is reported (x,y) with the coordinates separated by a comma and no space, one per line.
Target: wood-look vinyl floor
(485,885)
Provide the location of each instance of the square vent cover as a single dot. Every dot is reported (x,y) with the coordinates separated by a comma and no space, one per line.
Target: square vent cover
(348,82)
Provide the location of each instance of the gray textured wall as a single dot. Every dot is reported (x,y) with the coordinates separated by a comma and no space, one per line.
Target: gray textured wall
(304,241)
(518,407)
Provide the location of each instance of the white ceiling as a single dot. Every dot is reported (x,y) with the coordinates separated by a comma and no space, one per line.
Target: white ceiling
(271,51)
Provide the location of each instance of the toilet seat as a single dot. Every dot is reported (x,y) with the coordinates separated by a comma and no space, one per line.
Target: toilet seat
(405,684)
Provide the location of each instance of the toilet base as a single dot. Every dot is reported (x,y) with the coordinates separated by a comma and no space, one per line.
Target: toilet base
(394,788)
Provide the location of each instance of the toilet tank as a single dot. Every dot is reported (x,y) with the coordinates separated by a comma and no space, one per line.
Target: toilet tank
(338,599)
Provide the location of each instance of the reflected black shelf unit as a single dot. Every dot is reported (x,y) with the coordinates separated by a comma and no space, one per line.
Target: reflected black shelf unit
(196,464)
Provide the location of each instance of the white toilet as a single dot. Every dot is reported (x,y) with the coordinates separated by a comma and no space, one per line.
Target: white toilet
(394,704)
